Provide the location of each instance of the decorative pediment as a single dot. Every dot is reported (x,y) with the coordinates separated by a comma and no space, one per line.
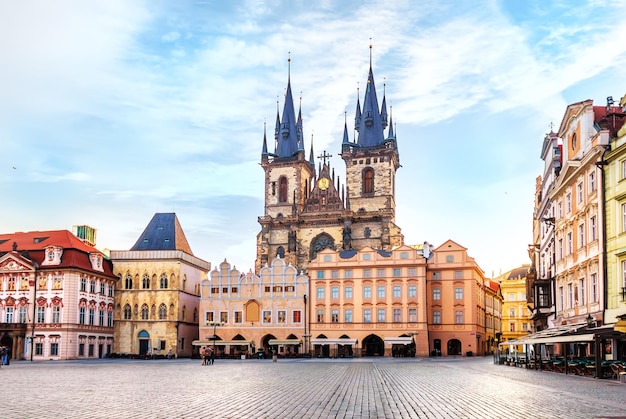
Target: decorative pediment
(57,301)
(96,261)
(52,256)
(12,262)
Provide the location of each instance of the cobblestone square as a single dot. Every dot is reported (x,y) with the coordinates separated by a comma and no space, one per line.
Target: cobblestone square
(328,388)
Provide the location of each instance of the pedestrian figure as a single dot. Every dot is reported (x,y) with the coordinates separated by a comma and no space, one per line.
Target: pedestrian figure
(203,356)
(212,356)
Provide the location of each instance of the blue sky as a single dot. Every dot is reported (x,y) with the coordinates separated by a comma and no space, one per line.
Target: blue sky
(113,111)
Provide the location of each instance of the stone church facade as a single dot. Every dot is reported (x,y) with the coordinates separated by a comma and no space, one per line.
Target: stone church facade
(308,209)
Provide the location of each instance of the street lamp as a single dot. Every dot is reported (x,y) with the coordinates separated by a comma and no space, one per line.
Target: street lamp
(214,324)
(590,321)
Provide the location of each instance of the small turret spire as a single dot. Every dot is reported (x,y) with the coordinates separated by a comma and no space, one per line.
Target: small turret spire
(264,151)
(312,155)
(391,135)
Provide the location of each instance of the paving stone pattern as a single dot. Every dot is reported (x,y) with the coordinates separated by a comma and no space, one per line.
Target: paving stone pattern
(357,388)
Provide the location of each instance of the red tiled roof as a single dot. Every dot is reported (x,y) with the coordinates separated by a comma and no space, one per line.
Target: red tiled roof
(75,252)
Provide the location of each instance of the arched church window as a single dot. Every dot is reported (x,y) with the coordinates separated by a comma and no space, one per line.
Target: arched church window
(280,252)
(128,282)
(127,312)
(162,312)
(368,181)
(282,189)
(144,312)
(163,281)
(145,282)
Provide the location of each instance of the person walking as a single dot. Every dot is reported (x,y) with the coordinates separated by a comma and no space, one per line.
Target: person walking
(203,356)
(212,352)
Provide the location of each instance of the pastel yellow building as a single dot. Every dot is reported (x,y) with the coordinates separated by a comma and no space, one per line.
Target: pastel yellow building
(615,198)
(516,321)
(156,302)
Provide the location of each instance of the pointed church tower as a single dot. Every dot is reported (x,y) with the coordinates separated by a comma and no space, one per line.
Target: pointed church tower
(309,210)
(372,161)
(288,178)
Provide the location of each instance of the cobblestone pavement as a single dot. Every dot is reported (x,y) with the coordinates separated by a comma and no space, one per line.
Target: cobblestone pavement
(358,388)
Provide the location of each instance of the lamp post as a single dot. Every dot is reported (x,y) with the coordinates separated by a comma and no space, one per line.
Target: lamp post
(214,324)
(32,336)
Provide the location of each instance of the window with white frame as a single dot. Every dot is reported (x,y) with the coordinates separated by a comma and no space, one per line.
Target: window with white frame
(623,164)
(380,272)
(334,315)
(412,315)
(334,292)
(209,317)
(512,312)
(347,273)
(582,291)
(568,203)
(347,315)
(22,314)
(412,291)
(458,274)
(397,315)
(380,291)
(224,317)
(559,209)
(267,316)
(570,243)
(561,249)
(381,315)
(436,294)
(320,275)
(579,193)
(319,315)
(367,292)
(623,217)
(570,295)
(397,272)
(238,316)
(334,274)
(367,315)
(594,288)
(412,271)
(296,317)
(561,299)
(9,315)
(320,293)
(397,291)
(436,317)
(592,181)
(367,273)
(624,273)
(458,317)
(56,314)
(458,293)
(347,293)
(511,296)
(593,229)
(581,235)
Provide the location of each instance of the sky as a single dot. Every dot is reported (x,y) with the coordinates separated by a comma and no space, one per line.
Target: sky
(112,111)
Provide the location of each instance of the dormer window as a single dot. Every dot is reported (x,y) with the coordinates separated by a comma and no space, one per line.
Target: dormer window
(53,255)
(96,261)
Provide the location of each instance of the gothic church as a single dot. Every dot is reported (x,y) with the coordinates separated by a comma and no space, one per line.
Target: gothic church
(307,209)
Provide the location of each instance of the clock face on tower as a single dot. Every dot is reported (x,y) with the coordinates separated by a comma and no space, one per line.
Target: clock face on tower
(323,183)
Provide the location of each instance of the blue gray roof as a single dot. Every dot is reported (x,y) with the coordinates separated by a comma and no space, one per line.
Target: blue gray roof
(163,233)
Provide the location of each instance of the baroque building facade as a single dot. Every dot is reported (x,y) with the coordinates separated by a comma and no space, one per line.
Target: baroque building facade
(56,297)
(156,303)
(369,303)
(307,209)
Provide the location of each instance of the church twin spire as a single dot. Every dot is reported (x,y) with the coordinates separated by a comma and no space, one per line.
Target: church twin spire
(370,123)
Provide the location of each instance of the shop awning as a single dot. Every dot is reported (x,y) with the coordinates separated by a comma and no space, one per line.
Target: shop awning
(400,340)
(560,339)
(221,342)
(620,326)
(340,341)
(284,342)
